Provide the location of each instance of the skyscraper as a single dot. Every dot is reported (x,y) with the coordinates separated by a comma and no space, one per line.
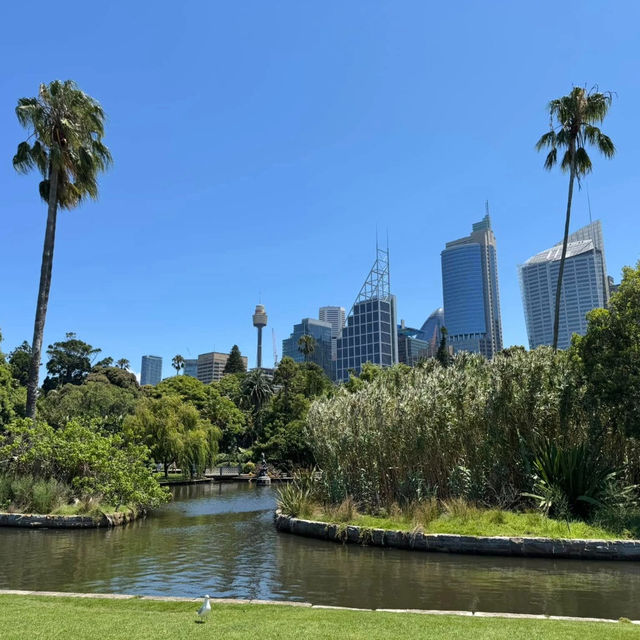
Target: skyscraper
(321,333)
(370,334)
(470,291)
(191,367)
(335,316)
(412,348)
(211,366)
(585,286)
(431,329)
(151,370)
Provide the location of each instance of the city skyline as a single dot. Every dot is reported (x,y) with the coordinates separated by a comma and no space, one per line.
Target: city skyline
(272,153)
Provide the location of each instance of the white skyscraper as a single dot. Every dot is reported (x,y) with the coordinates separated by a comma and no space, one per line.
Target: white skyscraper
(334,316)
(584,287)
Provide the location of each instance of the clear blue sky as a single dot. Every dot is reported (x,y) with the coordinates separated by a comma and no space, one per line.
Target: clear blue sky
(257,146)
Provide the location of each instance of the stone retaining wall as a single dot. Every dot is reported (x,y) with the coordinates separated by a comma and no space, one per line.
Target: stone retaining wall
(451,543)
(65,522)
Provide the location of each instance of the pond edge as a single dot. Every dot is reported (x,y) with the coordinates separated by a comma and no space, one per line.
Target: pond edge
(52,521)
(525,547)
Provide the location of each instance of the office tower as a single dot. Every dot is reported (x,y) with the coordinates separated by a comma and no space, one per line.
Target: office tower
(321,333)
(370,333)
(335,316)
(431,329)
(259,321)
(191,367)
(412,347)
(470,291)
(585,286)
(151,371)
(211,366)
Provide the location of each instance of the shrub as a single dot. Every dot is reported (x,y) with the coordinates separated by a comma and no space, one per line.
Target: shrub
(89,462)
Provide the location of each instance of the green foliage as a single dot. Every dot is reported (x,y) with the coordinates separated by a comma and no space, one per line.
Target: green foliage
(69,362)
(91,463)
(235,363)
(177,363)
(211,404)
(609,355)
(66,128)
(442,355)
(94,402)
(468,428)
(28,494)
(572,129)
(116,376)
(12,396)
(19,361)
(306,346)
(175,433)
(570,479)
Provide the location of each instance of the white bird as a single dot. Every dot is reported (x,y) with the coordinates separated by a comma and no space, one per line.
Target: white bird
(205,609)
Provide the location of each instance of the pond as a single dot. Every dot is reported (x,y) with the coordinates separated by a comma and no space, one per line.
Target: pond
(220,539)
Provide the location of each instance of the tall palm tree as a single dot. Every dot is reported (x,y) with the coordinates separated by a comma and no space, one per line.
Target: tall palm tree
(177,363)
(306,346)
(65,145)
(123,363)
(572,120)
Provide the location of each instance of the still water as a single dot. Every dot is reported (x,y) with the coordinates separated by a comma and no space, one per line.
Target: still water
(220,539)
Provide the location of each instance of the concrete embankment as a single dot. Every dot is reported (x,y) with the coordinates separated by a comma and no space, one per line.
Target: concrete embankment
(452,543)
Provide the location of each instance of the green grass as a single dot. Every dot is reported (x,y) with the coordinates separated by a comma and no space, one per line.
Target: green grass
(481,522)
(47,618)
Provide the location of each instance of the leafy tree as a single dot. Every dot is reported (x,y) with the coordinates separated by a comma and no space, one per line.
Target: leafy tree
(66,126)
(177,363)
(210,403)
(105,362)
(235,363)
(306,346)
(20,361)
(69,362)
(12,396)
(572,127)
(95,402)
(123,363)
(231,387)
(442,355)
(609,354)
(94,464)
(175,433)
(115,376)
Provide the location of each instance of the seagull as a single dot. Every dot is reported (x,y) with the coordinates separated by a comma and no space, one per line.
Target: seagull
(205,609)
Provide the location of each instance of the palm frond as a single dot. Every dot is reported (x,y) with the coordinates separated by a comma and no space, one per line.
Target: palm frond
(551,159)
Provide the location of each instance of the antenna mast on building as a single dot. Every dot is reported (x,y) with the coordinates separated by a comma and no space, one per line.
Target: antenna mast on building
(275,349)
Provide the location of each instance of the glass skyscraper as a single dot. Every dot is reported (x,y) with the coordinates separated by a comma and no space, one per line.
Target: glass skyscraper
(585,286)
(321,333)
(370,333)
(335,316)
(151,371)
(470,292)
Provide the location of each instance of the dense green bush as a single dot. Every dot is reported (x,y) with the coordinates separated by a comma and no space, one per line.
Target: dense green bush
(467,430)
(90,463)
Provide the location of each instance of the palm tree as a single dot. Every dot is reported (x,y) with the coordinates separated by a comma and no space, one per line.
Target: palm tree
(65,145)
(123,363)
(177,363)
(572,120)
(306,346)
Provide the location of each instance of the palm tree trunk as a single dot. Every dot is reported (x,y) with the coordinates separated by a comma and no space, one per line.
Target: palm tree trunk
(43,295)
(565,240)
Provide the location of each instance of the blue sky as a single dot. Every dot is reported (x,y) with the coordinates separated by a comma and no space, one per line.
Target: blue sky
(258,145)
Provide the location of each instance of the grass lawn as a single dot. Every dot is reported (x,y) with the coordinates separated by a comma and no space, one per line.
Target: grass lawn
(47,618)
(472,521)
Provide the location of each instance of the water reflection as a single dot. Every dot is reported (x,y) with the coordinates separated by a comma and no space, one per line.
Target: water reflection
(220,539)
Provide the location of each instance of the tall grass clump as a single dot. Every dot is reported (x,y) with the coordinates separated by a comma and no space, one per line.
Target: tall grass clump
(468,431)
